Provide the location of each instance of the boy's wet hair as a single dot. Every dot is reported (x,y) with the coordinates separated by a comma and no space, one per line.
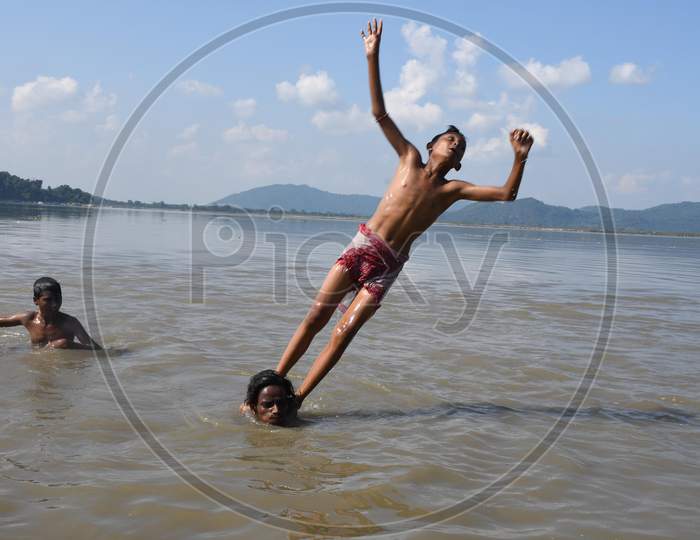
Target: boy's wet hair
(260,381)
(44,284)
(450,129)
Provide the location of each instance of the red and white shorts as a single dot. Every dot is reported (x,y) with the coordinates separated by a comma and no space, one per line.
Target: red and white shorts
(372,263)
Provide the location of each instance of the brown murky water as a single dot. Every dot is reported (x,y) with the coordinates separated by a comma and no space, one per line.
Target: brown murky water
(410,422)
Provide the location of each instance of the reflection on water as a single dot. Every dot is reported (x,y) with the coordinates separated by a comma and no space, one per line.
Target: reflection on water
(410,421)
(34,212)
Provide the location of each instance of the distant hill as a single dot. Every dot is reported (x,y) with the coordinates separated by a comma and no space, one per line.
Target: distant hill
(302,198)
(681,217)
(527,212)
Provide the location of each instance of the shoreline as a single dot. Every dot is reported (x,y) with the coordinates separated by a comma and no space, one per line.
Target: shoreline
(340,217)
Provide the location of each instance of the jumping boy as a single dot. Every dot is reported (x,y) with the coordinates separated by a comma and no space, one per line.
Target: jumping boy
(416,197)
(47,326)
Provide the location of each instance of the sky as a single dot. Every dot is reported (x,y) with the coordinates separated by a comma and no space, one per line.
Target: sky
(290,103)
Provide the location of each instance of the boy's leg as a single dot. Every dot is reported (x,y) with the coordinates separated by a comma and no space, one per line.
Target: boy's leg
(359,312)
(334,288)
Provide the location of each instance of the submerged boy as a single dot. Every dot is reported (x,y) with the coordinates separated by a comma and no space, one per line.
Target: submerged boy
(416,197)
(270,397)
(48,326)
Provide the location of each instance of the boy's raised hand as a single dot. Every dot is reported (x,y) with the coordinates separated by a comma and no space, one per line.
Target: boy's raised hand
(521,141)
(372,38)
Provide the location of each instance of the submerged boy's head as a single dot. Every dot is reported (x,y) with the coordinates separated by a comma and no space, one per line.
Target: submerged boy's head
(450,144)
(47,294)
(271,398)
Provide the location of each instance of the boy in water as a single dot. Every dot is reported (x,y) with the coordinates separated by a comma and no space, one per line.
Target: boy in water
(271,399)
(416,197)
(48,326)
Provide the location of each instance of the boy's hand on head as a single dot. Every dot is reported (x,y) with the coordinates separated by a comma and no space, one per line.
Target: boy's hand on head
(521,141)
(372,38)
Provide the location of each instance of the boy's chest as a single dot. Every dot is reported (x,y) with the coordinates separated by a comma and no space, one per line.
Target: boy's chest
(40,331)
(416,192)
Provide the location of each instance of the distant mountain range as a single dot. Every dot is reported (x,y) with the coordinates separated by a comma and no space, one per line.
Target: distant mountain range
(681,217)
(302,198)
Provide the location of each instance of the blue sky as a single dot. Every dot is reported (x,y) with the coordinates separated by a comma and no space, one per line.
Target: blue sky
(289,104)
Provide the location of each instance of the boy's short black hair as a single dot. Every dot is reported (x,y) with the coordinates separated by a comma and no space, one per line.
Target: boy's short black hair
(267,377)
(450,129)
(44,284)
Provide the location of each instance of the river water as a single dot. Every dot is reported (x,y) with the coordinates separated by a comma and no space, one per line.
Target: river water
(431,404)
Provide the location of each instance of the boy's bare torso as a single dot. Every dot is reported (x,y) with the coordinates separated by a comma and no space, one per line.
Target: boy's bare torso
(412,203)
(42,332)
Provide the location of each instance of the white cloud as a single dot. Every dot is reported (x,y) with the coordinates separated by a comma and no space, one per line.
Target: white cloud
(110,124)
(187,149)
(489,148)
(73,116)
(462,90)
(96,100)
(352,120)
(408,112)
(422,42)
(243,108)
(499,146)
(417,78)
(634,182)
(311,90)
(460,93)
(479,121)
(192,86)
(42,91)
(466,52)
(629,73)
(286,91)
(260,132)
(569,72)
(189,132)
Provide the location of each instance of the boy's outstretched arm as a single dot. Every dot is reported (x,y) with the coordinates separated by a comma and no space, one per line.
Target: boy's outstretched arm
(20,319)
(391,131)
(84,338)
(521,141)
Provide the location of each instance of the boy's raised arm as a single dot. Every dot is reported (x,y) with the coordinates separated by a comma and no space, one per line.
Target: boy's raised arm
(521,141)
(19,319)
(391,131)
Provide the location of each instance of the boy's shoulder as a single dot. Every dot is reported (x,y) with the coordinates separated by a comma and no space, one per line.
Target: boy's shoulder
(413,157)
(67,318)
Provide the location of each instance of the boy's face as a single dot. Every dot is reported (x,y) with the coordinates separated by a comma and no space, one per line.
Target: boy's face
(48,302)
(274,406)
(451,146)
